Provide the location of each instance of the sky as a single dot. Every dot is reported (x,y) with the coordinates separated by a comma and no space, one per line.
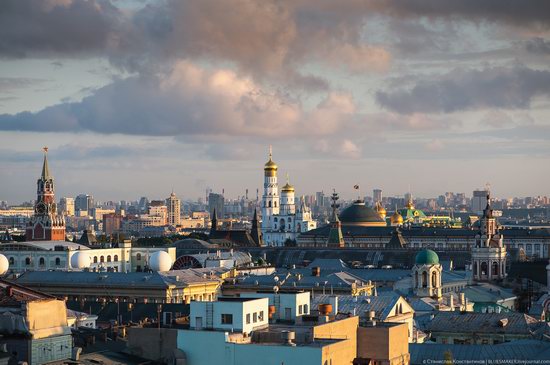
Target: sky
(139,98)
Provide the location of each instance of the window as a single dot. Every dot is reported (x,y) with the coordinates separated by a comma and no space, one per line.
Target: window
(12,261)
(27,261)
(101,259)
(255,317)
(227,318)
(138,257)
(261,316)
(305,309)
(95,259)
(116,258)
(109,258)
(57,261)
(248,318)
(41,261)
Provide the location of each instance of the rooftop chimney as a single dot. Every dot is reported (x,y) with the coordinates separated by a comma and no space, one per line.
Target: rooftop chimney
(316,271)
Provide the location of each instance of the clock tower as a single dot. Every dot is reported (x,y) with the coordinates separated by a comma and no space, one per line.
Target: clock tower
(45,224)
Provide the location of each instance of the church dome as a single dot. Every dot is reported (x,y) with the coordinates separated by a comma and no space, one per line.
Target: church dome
(270,165)
(287,188)
(427,257)
(358,214)
(396,218)
(160,261)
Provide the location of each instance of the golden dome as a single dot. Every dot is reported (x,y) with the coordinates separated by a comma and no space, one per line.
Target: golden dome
(288,188)
(270,165)
(396,218)
(410,204)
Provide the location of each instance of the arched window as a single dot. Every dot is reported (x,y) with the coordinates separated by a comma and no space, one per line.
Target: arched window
(109,258)
(41,261)
(12,261)
(424,279)
(95,259)
(289,220)
(116,258)
(101,259)
(275,219)
(306,309)
(483,268)
(138,257)
(275,204)
(495,269)
(299,228)
(270,204)
(27,261)
(475,268)
(434,279)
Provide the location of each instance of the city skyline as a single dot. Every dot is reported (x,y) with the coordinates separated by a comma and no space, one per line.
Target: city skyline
(138,97)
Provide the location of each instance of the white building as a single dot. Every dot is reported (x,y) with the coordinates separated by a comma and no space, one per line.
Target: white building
(288,306)
(282,218)
(57,255)
(242,315)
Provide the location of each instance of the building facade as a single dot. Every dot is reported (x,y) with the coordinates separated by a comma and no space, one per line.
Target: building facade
(282,218)
(174,210)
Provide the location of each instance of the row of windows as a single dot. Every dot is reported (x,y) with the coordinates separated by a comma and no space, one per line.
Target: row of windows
(102,259)
(256,316)
(303,309)
(41,261)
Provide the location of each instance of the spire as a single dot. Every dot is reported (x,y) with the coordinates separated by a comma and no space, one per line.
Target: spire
(45,168)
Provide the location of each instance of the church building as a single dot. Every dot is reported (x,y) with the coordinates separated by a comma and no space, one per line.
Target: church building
(282,218)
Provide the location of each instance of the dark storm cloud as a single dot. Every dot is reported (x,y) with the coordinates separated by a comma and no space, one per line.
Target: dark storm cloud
(497,87)
(45,28)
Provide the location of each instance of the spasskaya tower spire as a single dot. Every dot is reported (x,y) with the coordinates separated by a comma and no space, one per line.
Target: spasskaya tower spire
(45,224)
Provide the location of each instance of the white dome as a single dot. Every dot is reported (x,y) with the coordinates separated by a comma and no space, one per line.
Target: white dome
(160,261)
(81,260)
(4,264)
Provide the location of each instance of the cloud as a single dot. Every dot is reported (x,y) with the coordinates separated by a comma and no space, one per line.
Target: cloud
(191,102)
(538,46)
(36,28)
(9,84)
(535,13)
(470,89)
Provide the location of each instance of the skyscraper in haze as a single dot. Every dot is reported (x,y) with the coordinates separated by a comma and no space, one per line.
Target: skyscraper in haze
(479,201)
(216,201)
(376,195)
(174,210)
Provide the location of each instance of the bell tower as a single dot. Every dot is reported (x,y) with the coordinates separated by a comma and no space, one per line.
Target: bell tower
(45,224)
(489,252)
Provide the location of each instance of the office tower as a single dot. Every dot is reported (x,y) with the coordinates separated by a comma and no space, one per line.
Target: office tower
(216,201)
(83,204)
(376,195)
(479,201)
(174,210)
(66,206)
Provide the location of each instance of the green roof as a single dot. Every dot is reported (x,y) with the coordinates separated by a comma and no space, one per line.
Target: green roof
(427,257)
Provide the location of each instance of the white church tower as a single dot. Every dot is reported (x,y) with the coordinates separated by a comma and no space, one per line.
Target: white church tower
(270,199)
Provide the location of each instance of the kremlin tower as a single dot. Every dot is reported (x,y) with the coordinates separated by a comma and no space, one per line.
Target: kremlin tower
(45,224)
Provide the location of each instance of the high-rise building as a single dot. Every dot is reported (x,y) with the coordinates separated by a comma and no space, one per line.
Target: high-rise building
(66,206)
(112,223)
(83,204)
(174,210)
(45,224)
(479,201)
(157,208)
(377,195)
(216,201)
